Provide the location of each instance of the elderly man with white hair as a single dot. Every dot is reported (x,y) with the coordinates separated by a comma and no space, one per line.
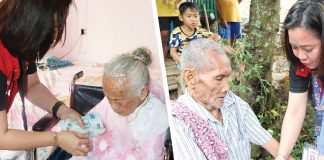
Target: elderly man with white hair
(209,121)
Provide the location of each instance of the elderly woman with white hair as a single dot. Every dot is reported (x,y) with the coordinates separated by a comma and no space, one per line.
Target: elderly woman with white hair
(135,119)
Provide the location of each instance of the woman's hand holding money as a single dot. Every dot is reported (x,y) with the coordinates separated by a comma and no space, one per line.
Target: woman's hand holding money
(74,143)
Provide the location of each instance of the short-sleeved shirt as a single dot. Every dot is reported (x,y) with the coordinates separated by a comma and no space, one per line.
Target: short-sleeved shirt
(179,40)
(299,80)
(239,129)
(7,94)
(167,10)
(230,10)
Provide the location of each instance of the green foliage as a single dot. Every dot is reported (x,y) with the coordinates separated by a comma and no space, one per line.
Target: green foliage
(307,132)
(268,103)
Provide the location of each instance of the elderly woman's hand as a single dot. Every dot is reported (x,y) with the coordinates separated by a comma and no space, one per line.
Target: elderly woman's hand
(73,142)
(65,112)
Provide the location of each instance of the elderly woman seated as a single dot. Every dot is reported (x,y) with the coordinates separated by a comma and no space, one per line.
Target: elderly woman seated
(135,119)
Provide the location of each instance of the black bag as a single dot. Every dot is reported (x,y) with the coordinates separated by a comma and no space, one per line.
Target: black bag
(82,99)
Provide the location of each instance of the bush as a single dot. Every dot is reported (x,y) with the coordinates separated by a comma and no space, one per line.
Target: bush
(268,103)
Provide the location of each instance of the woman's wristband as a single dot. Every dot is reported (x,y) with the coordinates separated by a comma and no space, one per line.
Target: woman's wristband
(56,107)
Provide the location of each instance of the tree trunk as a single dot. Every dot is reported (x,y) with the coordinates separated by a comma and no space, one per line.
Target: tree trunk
(262,34)
(263,28)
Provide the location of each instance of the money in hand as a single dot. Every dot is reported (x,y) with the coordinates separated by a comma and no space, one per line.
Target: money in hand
(92,122)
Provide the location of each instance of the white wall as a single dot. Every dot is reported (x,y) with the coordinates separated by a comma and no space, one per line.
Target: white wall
(113,27)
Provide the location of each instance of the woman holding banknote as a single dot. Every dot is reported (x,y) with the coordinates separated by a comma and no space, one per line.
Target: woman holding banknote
(303,41)
(135,119)
(28,29)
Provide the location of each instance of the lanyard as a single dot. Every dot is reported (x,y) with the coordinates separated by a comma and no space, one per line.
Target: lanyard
(319,102)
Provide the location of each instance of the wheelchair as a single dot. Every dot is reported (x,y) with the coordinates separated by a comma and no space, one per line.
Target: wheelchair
(80,101)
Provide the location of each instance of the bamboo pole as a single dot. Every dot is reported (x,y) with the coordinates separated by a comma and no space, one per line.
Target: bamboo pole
(206,17)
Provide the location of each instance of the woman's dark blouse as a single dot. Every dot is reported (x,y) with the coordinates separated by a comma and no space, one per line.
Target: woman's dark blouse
(298,84)
(3,81)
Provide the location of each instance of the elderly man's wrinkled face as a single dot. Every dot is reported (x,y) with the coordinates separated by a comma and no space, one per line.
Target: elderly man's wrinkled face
(115,89)
(211,85)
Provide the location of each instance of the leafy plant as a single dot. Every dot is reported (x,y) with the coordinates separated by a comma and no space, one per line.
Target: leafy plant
(268,103)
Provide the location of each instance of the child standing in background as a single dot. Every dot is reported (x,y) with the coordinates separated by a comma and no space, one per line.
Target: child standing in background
(181,36)
(168,15)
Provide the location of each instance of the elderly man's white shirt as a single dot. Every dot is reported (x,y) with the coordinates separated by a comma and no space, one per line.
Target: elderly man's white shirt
(240,127)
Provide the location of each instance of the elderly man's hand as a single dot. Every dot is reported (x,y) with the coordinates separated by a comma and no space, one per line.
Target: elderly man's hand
(65,112)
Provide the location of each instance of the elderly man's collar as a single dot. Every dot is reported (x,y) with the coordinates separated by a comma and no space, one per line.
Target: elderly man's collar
(229,99)
(228,102)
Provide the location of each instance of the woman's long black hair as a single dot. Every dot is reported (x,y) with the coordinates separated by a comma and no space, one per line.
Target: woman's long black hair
(28,28)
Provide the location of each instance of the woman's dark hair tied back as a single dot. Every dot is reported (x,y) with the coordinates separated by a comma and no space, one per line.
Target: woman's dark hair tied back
(310,15)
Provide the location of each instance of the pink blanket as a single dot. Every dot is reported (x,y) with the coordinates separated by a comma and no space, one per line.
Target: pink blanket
(58,82)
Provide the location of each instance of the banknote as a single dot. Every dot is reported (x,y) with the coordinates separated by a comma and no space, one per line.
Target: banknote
(92,122)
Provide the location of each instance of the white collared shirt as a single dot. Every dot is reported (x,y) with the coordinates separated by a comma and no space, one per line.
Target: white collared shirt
(139,135)
(149,118)
(240,127)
